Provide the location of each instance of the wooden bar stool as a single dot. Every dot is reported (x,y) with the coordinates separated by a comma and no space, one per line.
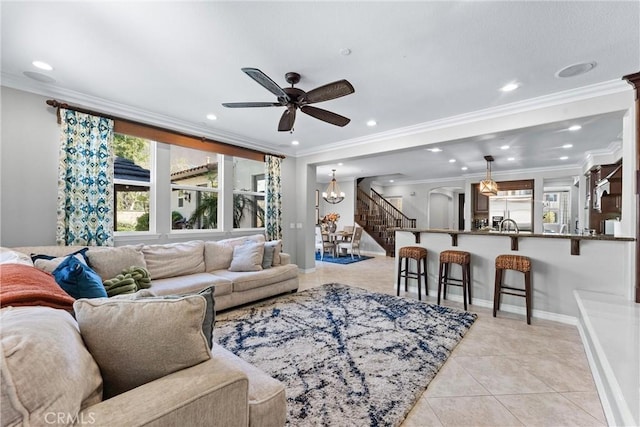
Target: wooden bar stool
(517,263)
(444,274)
(419,254)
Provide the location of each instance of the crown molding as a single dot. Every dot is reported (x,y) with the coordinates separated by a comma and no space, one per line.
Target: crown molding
(132,113)
(527,105)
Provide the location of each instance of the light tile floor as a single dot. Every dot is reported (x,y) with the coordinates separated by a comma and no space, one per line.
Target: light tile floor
(503,373)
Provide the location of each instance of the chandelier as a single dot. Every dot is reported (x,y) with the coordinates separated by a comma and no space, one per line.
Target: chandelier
(333,194)
(488,186)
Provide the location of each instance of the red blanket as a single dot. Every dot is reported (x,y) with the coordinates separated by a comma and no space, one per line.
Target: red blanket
(24,285)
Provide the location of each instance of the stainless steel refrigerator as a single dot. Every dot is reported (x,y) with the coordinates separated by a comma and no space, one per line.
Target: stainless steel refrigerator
(516,204)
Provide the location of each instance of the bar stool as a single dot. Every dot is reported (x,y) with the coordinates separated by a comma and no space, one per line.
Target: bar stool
(419,254)
(444,274)
(517,263)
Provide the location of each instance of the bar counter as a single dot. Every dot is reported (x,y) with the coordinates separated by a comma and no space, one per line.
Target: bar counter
(561,263)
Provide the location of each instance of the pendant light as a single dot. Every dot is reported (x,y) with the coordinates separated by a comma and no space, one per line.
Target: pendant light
(488,186)
(333,194)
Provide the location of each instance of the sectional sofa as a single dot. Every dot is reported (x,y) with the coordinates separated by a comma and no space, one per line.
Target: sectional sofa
(188,267)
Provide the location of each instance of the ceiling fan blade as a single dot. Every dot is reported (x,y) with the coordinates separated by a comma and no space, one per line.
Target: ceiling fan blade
(325,116)
(267,83)
(329,91)
(287,119)
(250,104)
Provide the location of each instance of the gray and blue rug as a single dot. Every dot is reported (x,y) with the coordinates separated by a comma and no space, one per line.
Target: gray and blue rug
(347,356)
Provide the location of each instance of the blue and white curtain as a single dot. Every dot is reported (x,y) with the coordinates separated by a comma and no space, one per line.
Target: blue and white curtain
(273,198)
(85,180)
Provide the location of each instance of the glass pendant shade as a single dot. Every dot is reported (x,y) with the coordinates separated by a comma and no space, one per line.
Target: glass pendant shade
(333,194)
(488,186)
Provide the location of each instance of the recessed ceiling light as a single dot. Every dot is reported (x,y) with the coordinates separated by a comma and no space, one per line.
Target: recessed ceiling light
(511,159)
(452,160)
(464,168)
(576,69)
(340,164)
(434,150)
(574,128)
(371,123)
(567,146)
(295,142)
(212,117)
(42,65)
(504,147)
(345,51)
(564,157)
(509,87)
(391,180)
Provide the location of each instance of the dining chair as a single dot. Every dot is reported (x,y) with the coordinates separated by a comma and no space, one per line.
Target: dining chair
(323,243)
(353,244)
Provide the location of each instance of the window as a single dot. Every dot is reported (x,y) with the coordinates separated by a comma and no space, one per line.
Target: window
(248,193)
(194,188)
(132,183)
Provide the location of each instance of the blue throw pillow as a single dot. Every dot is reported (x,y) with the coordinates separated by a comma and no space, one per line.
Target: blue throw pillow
(79,280)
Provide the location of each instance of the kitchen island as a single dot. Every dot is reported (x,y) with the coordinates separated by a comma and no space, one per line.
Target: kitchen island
(561,263)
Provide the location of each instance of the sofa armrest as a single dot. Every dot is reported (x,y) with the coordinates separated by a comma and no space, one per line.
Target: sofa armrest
(285,258)
(214,392)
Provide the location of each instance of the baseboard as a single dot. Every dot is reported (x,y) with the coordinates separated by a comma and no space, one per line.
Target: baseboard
(539,314)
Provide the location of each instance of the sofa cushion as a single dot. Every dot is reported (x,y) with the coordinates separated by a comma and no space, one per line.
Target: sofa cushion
(191,284)
(267,398)
(22,285)
(217,256)
(109,262)
(247,257)
(235,241)
(45,368)
(137,341)
(244,281)
(174,259)
(277,249)
(78,279)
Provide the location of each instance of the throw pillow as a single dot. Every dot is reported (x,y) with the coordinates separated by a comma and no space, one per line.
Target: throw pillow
(247,257)
(78,279)
(209,316)
(109,262)
(49,263)
(137,341)
(46,368)
(26,285)
(9,256)
(267,258)
(277,244)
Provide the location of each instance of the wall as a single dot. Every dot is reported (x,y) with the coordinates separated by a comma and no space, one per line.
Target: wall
(28,181)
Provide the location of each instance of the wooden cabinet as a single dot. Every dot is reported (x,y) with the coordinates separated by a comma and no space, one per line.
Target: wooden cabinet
(609,205)
(480,201)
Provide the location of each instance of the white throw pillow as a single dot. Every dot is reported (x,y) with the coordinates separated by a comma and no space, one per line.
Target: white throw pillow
(48,265)
(9,256)
(247,257)
(135,341)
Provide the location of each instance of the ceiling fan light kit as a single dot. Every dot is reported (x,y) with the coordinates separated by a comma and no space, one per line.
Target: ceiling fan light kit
(333,194)
(296,99)
(488,186)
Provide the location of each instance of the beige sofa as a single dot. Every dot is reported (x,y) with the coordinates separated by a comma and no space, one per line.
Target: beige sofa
(189,267)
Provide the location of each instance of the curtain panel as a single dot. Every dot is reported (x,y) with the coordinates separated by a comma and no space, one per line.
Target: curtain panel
(273,198)
(85,180)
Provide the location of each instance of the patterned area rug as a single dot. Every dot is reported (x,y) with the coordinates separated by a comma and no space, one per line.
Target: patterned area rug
(347,356)
(341,259)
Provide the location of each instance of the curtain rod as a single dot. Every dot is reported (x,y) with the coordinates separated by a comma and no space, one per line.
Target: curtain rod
(58,105)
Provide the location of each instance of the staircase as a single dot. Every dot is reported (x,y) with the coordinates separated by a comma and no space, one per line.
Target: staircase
(380,219)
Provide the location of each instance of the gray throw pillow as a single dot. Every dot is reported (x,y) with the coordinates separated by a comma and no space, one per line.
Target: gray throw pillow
(267,258)
(135,341)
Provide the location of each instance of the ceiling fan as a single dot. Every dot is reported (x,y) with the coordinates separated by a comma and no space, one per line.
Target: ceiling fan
(293,98)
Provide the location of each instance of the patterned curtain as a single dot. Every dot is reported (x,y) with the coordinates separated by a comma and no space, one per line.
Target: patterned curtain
(273,198)
(85,180)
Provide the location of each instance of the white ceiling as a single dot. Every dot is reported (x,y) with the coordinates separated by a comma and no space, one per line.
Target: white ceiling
(411,63)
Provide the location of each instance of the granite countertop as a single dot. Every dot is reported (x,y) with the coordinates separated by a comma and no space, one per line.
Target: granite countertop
(520,234)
